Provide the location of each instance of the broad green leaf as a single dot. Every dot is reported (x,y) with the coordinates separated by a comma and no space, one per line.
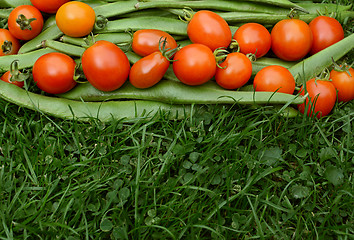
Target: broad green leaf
(299,191)
(106,225)
(334,175)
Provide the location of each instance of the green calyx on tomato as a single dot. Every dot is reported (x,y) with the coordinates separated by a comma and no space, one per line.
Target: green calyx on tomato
(6,47)
(24,23)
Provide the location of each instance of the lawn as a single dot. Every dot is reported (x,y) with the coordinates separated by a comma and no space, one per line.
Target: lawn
(226,172)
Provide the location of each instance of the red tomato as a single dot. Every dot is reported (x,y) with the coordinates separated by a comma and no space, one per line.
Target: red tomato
(7,78)
(149,70)
(253,38)
(235,71)
(75,19)
(54,73)
(146,41)
(344,83)
(326,31)
(105,66)
(274,78)
(194,64)
(291,39)
(25,22)
(48,6)
(8,43)
(321,99)
(208,28)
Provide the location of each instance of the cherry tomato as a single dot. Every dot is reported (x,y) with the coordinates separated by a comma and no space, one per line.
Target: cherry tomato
(208,28)
(321,99)
(25,22)
(274,78)
(54,73)
(75,19)
(7,78)
(8,43)
(344,83)
(291,39)
(326,31)
(105,66)
(194,64)
(253,38)
(149,70)
(48,6)
(235,71)
(146,41)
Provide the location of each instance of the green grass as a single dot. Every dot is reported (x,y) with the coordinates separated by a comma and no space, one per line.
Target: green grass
(224,173)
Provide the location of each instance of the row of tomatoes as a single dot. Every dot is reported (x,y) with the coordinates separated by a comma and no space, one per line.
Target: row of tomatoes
(106,66)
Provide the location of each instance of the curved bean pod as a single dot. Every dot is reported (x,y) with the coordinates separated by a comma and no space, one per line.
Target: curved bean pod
(86,111)
(313,65)
(174,92)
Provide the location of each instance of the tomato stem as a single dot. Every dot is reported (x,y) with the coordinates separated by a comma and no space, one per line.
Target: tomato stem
(220,55)
(16,75)
(293,14)
(101,22)
(25,24)
(342,68)
(168,53)
(234,46)
(188,14)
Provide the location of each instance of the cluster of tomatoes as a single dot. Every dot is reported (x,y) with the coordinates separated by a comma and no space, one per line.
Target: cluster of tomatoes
(211,54)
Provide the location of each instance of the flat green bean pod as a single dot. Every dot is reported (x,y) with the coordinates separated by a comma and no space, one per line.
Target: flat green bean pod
(66,48)
(174,92)
(122,7)
(267,61)
(25,60)
(52,32)
(4,13)
(13,3)
(315,64)
(86,111)
(170,25)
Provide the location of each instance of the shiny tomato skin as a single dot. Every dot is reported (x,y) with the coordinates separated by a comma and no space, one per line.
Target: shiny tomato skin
(29,12)
(291,39)
(194,64)
(321,99)
(75,19)
(12,48)
(253,38)
(105,66)
(326,31)
(208,28)
(54,73)
(344,84)
(146,41)
(6,77)
(48,6)
(234,72)
(149,70)
(274,78)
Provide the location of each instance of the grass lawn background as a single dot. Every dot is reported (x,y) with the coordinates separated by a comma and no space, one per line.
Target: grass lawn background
(224,173)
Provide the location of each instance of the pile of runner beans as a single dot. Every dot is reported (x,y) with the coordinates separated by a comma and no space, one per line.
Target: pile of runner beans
(129,59)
